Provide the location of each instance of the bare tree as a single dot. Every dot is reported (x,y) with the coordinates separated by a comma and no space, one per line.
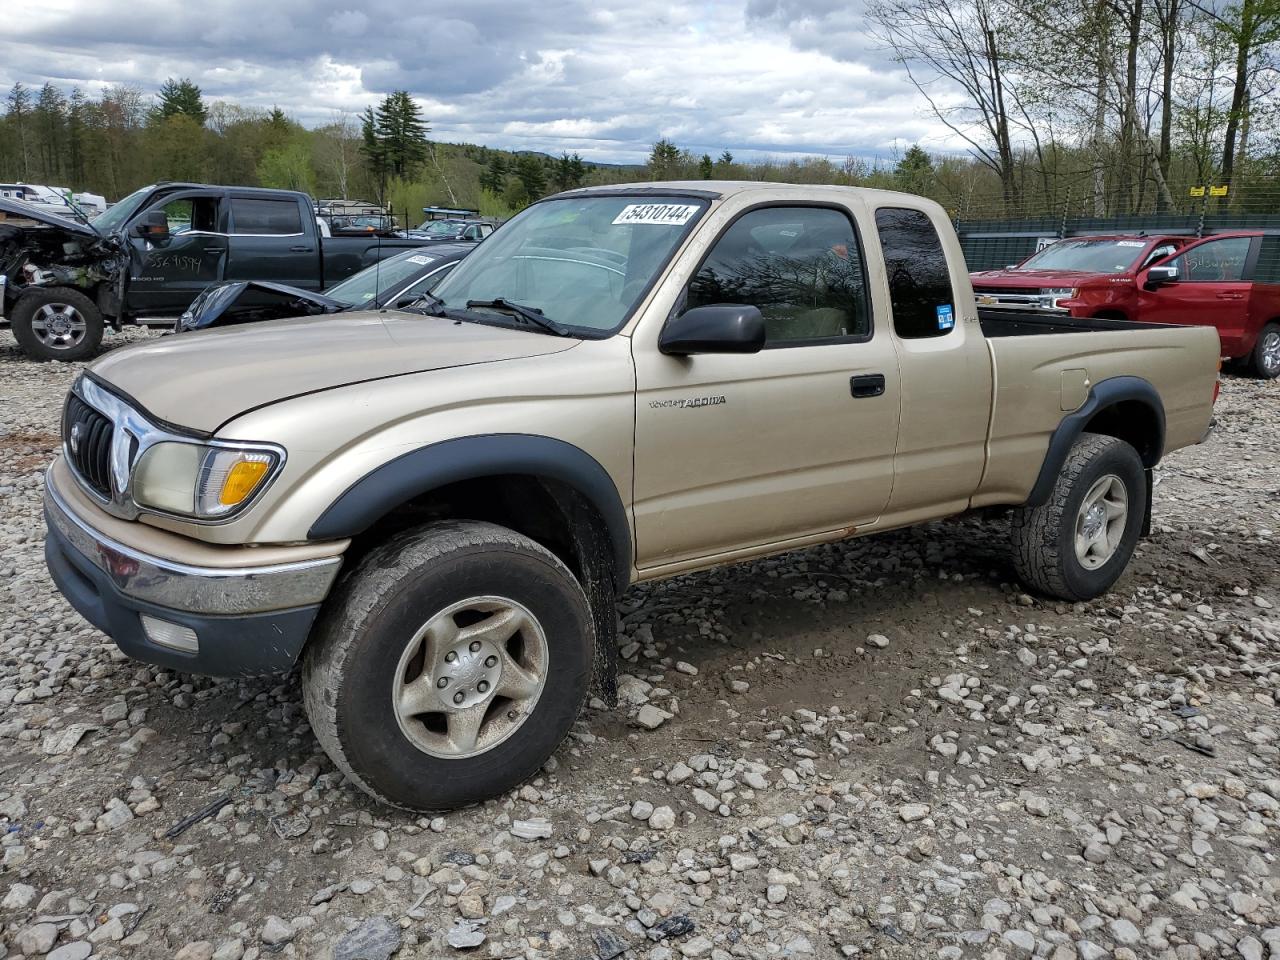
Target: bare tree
(945,46)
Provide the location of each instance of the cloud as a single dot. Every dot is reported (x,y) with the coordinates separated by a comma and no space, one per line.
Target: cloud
(752,76)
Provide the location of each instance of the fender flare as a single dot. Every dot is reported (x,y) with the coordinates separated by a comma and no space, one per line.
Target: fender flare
(1104,394)
(427,468)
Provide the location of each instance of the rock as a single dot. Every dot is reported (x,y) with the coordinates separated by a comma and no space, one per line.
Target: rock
(65,740)
(651,717)
(1124,931)
(911,812)
(641,810)
(80,950)
(878,640)
(1096,852)
(38,938)
(464,935)
(471,902)
(19,897)
(1027,658)
(531,829)
(739,686)
(698,946)
(1021,940)
(196,950)
(229,950)
(742,861)
(662,818)
(276,932)
(377,938)
(117,815)
(1038,806)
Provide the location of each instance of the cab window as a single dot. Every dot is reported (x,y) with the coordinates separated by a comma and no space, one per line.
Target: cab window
(919,281)
(1159,252)
(1215,261)
(265,217)
(191,214)
(800,266)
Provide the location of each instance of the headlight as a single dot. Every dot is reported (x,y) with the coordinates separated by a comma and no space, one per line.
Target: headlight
(196,480)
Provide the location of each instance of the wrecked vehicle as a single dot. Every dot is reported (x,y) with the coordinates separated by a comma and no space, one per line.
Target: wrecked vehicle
(434,509)
(62,281)
(407,275)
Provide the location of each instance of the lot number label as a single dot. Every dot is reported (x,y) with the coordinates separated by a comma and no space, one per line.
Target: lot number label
(664,214)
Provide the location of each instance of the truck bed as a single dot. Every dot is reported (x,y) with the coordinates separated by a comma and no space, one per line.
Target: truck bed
(1002,322)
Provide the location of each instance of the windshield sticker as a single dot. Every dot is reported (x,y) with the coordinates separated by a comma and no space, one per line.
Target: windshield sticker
(420,260)
(1131,243)
(946,316)
(663,214)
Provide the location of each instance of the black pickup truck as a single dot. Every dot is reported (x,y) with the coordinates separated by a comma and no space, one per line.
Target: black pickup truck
(149,256)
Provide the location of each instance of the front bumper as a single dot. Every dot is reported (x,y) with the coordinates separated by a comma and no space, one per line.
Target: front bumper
(246,621)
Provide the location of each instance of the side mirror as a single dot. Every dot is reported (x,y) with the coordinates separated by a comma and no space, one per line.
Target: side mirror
(714,328)
(152,225)
(1159,276)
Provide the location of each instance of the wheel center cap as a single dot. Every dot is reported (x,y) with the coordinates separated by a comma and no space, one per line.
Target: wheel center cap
(61,326)
(469,673)
(1093,520)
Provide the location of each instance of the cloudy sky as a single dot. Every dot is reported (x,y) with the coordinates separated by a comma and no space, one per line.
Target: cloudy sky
(757,77)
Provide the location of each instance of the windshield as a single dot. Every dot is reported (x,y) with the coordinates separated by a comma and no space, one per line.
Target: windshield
(115,218)
(583,261)
(439,228)
(1090,256)
(364,288)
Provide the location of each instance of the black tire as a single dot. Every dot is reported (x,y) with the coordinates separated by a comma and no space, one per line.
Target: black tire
(350,668)
(39,342)
(1264,360)
(1044,537)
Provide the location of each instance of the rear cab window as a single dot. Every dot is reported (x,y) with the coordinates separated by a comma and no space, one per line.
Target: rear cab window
(251,215)
(919,278)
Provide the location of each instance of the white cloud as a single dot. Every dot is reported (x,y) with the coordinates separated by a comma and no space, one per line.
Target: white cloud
(753,76)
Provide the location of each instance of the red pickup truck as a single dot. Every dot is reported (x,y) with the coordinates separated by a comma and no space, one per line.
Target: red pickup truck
(1162,278)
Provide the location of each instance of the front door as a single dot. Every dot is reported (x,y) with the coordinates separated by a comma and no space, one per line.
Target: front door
(734,452)
(1211,290)
(166,275)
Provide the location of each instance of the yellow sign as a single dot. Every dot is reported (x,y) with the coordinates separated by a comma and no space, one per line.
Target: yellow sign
(1197,191)
(1218,191)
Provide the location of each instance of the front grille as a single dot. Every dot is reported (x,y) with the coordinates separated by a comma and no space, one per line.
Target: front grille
(1016,291)
(87,435)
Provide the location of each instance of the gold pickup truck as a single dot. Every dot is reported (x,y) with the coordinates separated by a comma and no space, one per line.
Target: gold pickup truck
(434,507)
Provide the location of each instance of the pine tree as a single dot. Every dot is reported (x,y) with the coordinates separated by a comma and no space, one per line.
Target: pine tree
(726,158)
(49,123)
(914,172)
(494,177)
(77,122)
(577,170)
(705,167)
(374,150)
(531,174)
(663,160)
(569,172)
(184,97)
(402,132)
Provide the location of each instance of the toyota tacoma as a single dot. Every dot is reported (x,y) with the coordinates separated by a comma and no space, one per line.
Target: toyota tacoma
(433,508)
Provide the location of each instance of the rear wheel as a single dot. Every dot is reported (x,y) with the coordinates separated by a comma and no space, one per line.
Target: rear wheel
(449,665)
(1265,359)
(57,323)
(1076,545)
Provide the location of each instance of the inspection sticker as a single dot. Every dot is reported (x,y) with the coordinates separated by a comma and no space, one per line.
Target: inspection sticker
(1131,243)
(946,316)
(664,214)
(420,259)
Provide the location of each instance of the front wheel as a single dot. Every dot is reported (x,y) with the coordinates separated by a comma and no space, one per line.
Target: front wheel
(449,665)
(1265,359)
(57,323)
(1076,545)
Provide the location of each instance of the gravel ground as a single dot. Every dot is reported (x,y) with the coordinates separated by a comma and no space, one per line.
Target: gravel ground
(881,748)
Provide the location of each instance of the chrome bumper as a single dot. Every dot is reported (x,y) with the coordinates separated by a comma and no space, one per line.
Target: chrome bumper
(204,590)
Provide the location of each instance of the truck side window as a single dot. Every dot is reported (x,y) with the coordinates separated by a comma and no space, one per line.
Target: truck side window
(192,214)
(800,266)
(919,281)
(265,216)
(1215,261)
(1159,253)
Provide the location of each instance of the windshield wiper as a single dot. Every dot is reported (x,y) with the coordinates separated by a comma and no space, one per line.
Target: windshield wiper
(530,314)
(434,307)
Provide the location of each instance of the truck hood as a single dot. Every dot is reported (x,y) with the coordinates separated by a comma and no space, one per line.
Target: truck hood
(201,380)
(1035,278)
(32,211)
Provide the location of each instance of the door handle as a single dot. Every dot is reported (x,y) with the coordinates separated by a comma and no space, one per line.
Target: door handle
(299,249)
(1230,296)
(866,385)
(213,249)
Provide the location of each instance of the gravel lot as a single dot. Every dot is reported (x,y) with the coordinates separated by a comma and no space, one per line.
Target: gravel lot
(882,748)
